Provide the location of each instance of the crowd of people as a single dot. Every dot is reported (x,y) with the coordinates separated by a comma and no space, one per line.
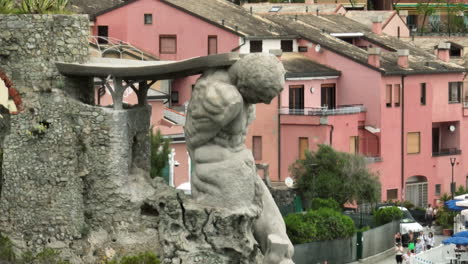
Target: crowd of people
(415,242)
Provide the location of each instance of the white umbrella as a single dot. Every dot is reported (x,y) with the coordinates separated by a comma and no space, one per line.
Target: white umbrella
(461,197)
(463,203)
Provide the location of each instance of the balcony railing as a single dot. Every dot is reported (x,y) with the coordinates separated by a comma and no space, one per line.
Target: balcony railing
(446,152)
(323,111)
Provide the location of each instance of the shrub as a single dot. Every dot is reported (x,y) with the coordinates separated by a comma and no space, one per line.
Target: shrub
(43,6)
(387,214)
(6,6)
(6,249)
(160,149)
(444,218)
(318,203)
(318,225)
(142,258)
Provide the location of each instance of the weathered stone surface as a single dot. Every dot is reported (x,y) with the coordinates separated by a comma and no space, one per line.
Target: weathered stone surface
(31,44)
(221,108)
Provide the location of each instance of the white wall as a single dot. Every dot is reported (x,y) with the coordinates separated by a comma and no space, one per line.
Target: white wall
(268,44)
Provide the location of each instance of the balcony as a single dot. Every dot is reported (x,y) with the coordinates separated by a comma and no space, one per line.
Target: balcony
(446,152)
(324,111)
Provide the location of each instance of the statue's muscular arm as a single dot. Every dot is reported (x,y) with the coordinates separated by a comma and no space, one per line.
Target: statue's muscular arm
(215,107)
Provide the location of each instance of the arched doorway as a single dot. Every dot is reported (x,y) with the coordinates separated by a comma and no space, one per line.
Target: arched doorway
(416,190)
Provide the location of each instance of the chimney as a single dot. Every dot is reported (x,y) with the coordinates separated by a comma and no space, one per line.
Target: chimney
(373,57)
(443,51)
(404,15)
(403,60)
(377,25)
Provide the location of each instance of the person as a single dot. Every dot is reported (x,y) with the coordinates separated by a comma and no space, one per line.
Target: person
(397,238)
(422,236)
(411,241)
(429,215)
(419,247)
(221,108)
(407,257)
(399,253)
(430,241)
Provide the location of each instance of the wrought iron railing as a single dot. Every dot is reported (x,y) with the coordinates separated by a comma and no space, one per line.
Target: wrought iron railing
(446,152)
(321,111)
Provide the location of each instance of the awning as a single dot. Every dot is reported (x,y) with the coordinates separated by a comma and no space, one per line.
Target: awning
(451,204)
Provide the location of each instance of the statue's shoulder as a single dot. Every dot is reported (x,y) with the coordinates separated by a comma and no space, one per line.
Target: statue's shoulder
(221,95)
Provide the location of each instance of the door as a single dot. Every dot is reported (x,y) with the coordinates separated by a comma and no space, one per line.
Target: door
(416,193)
(296,97)
(435,139)
(103,33)
(328,94)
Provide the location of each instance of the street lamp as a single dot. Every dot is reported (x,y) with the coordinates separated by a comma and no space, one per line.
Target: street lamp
(452,184)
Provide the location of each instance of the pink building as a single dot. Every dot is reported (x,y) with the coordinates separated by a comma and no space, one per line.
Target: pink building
(347,85)
(387,22)
(414,118)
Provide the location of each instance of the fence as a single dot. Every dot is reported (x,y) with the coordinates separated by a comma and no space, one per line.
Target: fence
(333,251)
(362,219)
(436,255)
(373,242)
(379,239)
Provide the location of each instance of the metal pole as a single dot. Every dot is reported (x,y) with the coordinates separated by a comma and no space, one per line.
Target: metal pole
(452,184)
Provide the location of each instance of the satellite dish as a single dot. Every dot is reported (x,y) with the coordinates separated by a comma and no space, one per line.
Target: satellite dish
(317,48)
(289,182)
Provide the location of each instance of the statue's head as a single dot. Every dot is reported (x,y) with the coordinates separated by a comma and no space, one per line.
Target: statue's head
(259,77)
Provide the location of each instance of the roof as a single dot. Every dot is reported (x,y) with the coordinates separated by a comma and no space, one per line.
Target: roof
(317,29)
(365,17)
(292,8)
(429,44)
(91,7)
(226,15)
(298,65)
(231,16)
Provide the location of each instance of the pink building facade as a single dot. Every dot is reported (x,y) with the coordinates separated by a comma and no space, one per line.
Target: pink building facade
(403,113)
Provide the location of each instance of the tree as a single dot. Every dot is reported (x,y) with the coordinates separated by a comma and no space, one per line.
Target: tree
(425,9)
(341,176)
(159,153)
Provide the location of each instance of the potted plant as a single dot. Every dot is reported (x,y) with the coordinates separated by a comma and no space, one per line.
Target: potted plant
(444,218)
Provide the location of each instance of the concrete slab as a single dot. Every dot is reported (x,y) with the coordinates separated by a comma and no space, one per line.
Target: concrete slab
(146,70)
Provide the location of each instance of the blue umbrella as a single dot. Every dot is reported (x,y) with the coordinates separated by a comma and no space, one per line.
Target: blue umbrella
(456,240)
(451,204)
(461,234)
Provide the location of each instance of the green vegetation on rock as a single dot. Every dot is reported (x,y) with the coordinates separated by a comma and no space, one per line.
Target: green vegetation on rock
(159,153)
(34,7)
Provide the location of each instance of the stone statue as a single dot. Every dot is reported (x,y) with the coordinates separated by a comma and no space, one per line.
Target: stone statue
(220,110)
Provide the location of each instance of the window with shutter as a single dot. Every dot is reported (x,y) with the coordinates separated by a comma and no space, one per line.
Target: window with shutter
(303,147)
(392,194)
(397,94)
(413,143)
(256,46)
(455,89)
(167,44)
(353,145)
(423,93)
(388,95)
(212,45)
(257,147)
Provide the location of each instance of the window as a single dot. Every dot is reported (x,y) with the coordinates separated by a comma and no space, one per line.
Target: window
(175,97)
(257,147)
(256,46)
(388,95)
(397,94)
(296,97)
(413,143)
(148,19)
(302,48)
(275,9)
(287,45)
(455,51)
(303,147)
(167,44)
(353,145)
(392,194)
(437,189)
(423,94)
(212,45)
(103,33)
(455,89)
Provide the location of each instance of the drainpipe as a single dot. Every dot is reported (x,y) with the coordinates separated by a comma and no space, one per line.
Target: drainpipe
(402,135)
(279,137)
(242,44)
(331,134)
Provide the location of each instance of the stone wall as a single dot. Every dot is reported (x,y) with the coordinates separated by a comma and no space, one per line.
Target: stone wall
(30,44)
(74,178)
